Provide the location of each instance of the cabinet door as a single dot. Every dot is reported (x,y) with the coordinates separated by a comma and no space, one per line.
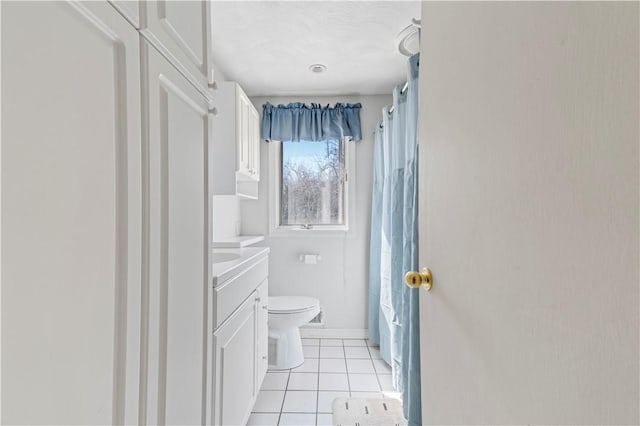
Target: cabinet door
(179,271)
(262,332)
(234,360)
(71,214)
(180,28)
(243,132)
(255,143)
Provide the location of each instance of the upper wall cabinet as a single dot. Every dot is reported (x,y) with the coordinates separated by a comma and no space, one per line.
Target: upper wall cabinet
(237,130)
(71,214)
(179,30)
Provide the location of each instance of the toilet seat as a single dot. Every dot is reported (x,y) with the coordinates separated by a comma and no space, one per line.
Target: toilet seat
(292,304)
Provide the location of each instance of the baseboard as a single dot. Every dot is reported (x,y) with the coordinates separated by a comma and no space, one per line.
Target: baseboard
(334,333)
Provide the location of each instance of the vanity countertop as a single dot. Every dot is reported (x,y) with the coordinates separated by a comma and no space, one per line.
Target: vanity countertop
(238,241)
(230,262)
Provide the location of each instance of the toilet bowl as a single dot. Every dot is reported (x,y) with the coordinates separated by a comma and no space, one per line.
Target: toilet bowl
(286,315)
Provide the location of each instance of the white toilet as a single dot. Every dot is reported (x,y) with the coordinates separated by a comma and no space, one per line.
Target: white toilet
(286,314)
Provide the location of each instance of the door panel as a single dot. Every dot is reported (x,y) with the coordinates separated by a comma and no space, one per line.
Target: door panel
(179,247)
(262,332)
(234,346)
(529,213)
(180,28)
(71,214)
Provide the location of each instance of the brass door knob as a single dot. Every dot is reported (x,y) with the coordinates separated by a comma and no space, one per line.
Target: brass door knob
(416,279)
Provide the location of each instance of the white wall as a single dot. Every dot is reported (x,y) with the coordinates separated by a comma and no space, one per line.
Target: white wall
(340,280)
(226,217)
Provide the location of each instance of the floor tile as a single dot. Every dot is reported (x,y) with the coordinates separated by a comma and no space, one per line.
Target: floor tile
(303,381)
(364,382)
(269,402)
(300,402)
(332,365)
(297,419)
(312,387)
(333,382)
(375,353)
(381,366)
(356,352)
(330,342)
(360,366)
(263,419)
(325,400)
(354,342)
(386,383)
(311,351)
(324,419)
(275,381)
(310,365)
(331,352)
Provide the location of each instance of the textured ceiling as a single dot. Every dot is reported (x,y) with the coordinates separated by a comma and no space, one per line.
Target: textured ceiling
(268,46)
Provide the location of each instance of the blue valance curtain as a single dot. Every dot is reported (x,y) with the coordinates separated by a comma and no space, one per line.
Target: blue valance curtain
(299,122)
(393,307)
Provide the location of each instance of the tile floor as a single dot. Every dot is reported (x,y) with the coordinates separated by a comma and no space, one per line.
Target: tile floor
(332,368)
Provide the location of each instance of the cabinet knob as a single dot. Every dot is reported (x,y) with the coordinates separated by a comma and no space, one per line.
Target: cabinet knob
(257,299)
(265,307)
(264,357)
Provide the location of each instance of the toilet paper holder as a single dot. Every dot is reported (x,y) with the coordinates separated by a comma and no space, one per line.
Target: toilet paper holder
(309,258)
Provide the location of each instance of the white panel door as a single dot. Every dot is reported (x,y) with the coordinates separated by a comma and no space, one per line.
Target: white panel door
(71,214)
(178,150)
(234,359)
(529,213)
(180,27)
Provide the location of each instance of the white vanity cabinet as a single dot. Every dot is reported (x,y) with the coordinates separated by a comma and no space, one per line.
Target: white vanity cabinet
(180,29)
(240,335)
(237,143)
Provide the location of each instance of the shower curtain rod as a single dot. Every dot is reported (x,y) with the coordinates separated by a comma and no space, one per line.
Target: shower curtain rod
(404,89)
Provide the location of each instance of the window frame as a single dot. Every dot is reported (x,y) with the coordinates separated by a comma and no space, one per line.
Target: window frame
(275,177)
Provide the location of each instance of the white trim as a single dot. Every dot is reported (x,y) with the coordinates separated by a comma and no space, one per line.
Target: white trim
(334,333)
(1,352)
(275,230)
(178,65)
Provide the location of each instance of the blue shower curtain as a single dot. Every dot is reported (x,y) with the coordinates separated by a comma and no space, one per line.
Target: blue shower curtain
(393,307)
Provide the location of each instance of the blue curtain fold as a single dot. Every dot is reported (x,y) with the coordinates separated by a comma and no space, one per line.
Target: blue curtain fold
(393,307)
(377,333)
(299,122)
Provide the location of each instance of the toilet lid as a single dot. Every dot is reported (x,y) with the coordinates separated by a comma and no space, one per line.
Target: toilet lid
(283,304)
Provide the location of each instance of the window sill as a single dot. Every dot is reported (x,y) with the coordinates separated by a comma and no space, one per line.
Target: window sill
(324,231)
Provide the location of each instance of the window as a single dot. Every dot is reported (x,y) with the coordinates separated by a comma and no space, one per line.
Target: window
(312,190)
